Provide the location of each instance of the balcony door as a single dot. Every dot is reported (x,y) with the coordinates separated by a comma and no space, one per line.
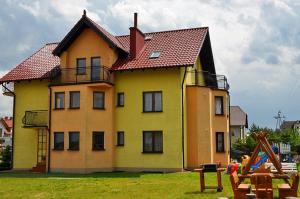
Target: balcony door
(42,146)
(95,69)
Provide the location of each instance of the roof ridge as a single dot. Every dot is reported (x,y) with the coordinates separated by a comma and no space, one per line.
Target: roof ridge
(173,30)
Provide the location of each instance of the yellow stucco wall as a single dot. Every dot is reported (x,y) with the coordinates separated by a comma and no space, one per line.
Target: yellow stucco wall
(30,95)
(133,121)
(203,124)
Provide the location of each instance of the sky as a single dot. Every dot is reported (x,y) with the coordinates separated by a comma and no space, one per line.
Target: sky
(256,43)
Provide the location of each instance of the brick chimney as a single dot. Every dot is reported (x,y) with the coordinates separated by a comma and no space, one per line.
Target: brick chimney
(137,39)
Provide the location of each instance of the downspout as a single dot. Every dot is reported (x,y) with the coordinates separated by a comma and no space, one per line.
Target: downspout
(229,127)
(49,130)
(13,132)
(182,117)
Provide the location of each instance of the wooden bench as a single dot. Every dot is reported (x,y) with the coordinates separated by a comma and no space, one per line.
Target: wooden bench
(239,190)
(285,190)
(286,167)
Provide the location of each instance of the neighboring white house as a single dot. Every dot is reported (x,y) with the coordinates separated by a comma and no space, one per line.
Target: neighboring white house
(238,123)
(6,131)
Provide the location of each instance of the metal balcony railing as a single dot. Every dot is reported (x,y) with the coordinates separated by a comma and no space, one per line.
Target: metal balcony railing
(204,78)
(82,75)
(8,88)
(37,118)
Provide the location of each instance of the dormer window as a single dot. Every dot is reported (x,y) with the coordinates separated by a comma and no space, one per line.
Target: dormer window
(155,55)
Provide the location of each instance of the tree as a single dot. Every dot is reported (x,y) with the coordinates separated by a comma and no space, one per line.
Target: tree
(6,157)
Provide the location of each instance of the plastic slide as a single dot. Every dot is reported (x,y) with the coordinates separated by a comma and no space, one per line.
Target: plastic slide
(260,162)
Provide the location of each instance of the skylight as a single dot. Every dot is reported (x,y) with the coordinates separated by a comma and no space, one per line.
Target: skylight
(148,37)
(155,54)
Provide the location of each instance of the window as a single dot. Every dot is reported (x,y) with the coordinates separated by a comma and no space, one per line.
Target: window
(120,138)
(58,141)
(155,54)
(120,99)
(59,100)
(0,132)
(74,99)
(98,99)
(219,108)
(74,141)
(220,141)
(152,101)
(148,37)
(152,142)
(81,66)
(98,141)
(95,68)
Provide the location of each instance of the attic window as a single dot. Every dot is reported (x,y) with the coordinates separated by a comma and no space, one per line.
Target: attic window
(148,37)
(155,54)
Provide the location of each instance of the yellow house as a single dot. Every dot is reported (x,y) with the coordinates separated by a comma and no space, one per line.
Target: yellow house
(138,102)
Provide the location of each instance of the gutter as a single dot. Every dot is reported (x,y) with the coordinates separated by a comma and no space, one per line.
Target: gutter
(49,130)
(13,132)
(229,127)
(182,118)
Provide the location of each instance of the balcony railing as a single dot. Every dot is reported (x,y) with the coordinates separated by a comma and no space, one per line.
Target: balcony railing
(8,88)
(204,78)
(76,75)
(37,118)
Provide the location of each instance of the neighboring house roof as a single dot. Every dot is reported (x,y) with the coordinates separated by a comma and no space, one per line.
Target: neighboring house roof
(37,66)
(288,124)
(83,23)
(7,123)
(177,47)
(238,117)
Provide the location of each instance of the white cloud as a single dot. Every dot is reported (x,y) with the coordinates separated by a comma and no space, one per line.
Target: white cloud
(6,102)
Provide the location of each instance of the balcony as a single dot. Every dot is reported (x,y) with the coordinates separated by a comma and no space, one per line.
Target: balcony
(204,78)
(73,75)
(35,118)
(8,89)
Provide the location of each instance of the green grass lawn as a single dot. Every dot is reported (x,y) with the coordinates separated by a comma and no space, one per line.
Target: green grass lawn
(110,185)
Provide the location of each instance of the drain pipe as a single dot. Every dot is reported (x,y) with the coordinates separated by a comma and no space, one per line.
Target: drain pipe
(13,131)
(49,129)
(182,117)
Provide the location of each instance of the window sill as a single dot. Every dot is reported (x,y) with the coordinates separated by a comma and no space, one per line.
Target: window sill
(219,114)
(120,106)
(95,108)
(74,108)
(73,149)
(220,152)
(98,149)
(57,149)
(80,73)
(57,109)
(153,152)
(152,111)
(120,145)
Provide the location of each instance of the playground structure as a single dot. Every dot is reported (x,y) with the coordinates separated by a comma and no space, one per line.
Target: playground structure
(260,176)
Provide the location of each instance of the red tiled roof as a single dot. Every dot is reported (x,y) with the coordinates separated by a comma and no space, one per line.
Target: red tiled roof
(86,22)
(8,123)
(178,48)
(112,38)
(37,66)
